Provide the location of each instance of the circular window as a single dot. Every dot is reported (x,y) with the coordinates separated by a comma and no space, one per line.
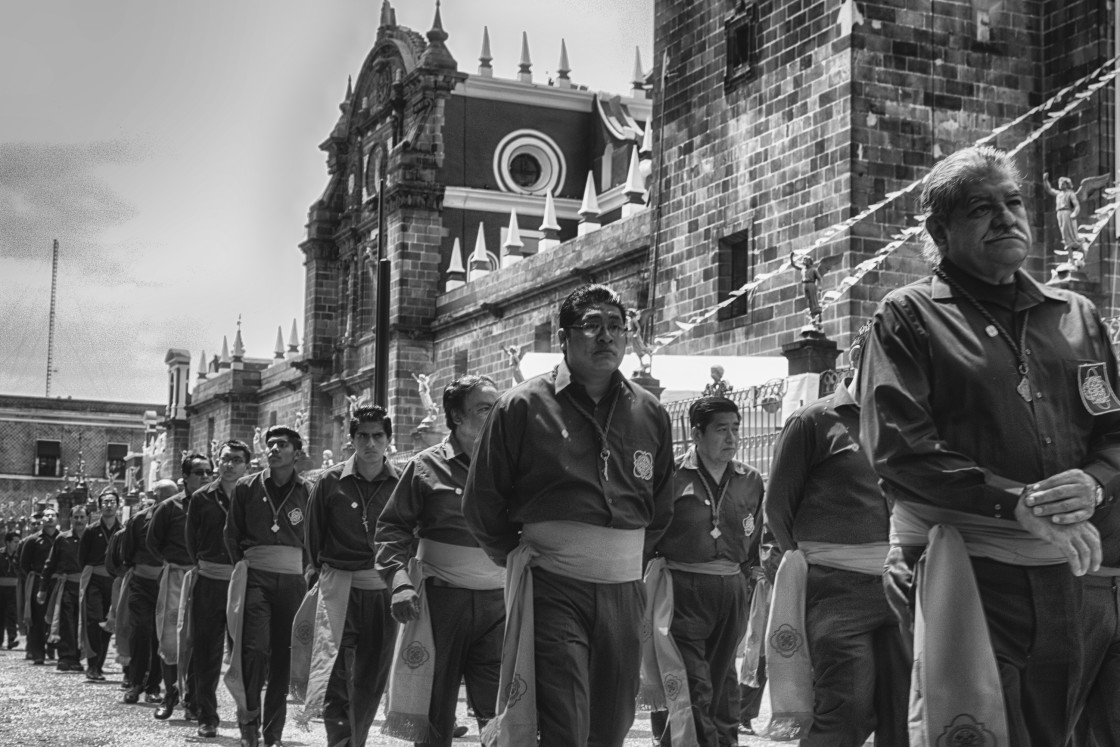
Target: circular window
(528,162)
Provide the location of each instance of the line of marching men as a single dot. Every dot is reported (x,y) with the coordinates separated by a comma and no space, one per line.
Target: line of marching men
(545,552)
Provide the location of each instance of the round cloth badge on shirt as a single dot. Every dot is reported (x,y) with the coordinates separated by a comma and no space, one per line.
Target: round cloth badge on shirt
(295,516)
(643,465)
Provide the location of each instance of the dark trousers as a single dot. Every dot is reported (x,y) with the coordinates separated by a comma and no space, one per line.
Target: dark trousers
(8,613)
(209,619)
(1035,634)
(1099,723)
(750,697)
(588,656)
(99,596)
(37,629)
(144,664)
(467,628)
(709,620)
(69,649)
(861,663)
(361,670)
(271,601)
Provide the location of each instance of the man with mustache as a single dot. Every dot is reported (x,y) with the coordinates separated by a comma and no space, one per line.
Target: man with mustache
(990,415)
(570,489)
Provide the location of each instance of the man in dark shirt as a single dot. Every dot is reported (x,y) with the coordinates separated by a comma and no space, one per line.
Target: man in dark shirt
(205,540)
(61,583)
(142,581)
(573,476)
(97,584)
(167,542)
(9,583)
(708,551)
(990,416)
(342,518)
(264,535)
(823,500)
(32,558)
(461,588)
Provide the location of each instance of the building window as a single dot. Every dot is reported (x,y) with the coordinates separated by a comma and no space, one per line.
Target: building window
(114,461)
(525,170)
(741,42)
(528,162)
(48,459)
(734,261)
(542,338)
(461,363)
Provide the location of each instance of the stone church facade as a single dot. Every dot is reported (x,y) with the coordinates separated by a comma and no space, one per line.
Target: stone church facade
(484,201)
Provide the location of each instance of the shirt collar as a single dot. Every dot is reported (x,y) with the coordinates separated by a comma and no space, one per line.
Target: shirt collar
(841,397)
(564,377)
(691,460)
(1031,292)
(349,469)
(449,449)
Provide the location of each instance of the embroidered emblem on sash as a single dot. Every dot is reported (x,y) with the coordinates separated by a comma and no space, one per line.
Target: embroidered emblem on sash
(415,655)
(672,687)
(748,526)
(295,516)
(1096,392)
(643,465)
(786,640)
(304,631)
(965,731)
(517,690)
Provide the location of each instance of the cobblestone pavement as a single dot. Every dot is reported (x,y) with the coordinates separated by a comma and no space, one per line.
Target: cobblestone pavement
(41,706)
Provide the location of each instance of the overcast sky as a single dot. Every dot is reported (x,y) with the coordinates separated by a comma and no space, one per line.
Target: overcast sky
(172,149)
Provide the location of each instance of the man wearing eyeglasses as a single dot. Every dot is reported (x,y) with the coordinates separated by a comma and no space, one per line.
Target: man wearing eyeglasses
(167,542)
(264,534)
(570,489)
(342,519)
(206,520)
(96,590)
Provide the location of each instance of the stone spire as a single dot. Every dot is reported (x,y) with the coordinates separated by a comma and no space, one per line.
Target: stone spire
(589,208)
(512,253)
(388,15)
(635,189)
(480,262)
(484,57)
(278,351)
(525,67)
(349,88)
(456,273)
(562,70)
(435,54)
(639,80)
(549,227)
(202,367)
(224,361)
(238,348)
(293,342)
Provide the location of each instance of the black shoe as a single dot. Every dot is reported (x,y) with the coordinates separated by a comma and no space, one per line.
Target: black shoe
(63,666)
(13,643)
(91,675)
(153,698)
(132,696)
(168,706)
(76,666)
(249,736)
(459,731)
(50,654)
(207,731)
(190,713)
(38,662)
(746,729)
(100,675)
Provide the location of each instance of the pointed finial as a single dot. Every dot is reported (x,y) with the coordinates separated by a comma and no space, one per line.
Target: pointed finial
(437,22)
(525,67)
(589,208)
(456,274)
(639,79)
(634,189)
(278,351)
(388,15)
(349,87)
(202,367)
(435,55)
(484,57)
(549,228)
(562,70)
(293,341)
(436,32)
(238,345)
(647,141)
(480,261)
(513,244)
(224,361)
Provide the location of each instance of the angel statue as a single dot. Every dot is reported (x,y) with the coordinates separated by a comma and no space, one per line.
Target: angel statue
(718,386)
(811,280)
(258,442)
(424,383)
(641,348)
(514,356)
(1067,204)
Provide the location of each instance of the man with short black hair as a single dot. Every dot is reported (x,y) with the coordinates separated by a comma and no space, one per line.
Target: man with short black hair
(96,587)
(444,584)
(167,542)
(9,583)
(61,582)
(33,556)
(264,535)
(206,598)
(571,485)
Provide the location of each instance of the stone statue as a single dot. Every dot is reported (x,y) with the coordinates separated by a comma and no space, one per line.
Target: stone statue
(718,386)
(637,341)
(514,356)
(1067,205)
(258,442)
(811,279)
(328,458)
(424,384)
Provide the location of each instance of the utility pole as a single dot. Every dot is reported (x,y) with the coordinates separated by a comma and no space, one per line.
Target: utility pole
(50,333)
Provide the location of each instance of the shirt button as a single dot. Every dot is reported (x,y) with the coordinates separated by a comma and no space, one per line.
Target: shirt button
(1038,395)
(610,500)
(998,507)
(458,491)
(1047,440)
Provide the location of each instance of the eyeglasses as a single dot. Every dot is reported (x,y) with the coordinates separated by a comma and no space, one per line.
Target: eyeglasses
(231,460)
(591,330)
(202,472)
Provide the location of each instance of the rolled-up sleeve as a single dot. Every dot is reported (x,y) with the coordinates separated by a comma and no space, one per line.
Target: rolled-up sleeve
(489,489)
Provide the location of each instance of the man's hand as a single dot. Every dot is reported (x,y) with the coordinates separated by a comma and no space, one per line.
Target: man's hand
(406,605)
(1067,498)
(1080,543)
